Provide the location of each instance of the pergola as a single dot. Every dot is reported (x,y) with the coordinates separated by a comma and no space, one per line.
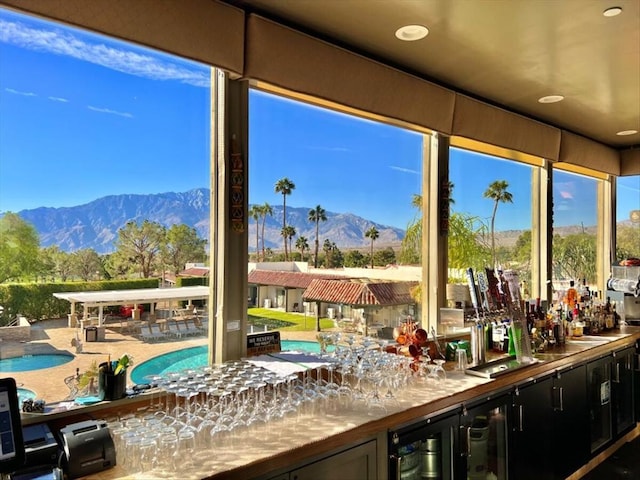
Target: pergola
(135,297)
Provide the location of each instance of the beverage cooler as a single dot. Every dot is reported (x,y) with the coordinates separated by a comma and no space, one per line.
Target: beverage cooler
(484,438)
(467,443)
(425,449)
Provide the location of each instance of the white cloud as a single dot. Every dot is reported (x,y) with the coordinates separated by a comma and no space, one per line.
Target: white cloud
(404,170)
(58,99)
(18,92)
(60,42)
(107,110)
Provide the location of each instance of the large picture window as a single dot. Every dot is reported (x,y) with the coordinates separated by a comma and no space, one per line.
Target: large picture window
(331,196)
(575,230)
(490,223)
(628,217)
(104,176)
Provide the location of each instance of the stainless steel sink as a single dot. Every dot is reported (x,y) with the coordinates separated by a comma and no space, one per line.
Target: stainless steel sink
(498,367)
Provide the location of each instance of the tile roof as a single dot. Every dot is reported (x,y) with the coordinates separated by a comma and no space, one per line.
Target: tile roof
(195,272)
(285,279)
(357,293)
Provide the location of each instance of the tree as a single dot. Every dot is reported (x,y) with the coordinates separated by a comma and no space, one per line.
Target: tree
(465,250)
(302,244)
(182,245)
(55,263)
(19,248)
(265,210)
(141,245)
(384,257)
(574,257)
(288,233)
(355,259)
(497,191)
(285,187)
(255,213)
(627,241)
(86,264)
(373,234)
(316,216)
(411,246)
(333,256)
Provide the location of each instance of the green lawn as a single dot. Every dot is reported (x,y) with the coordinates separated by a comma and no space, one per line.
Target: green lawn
(291,322)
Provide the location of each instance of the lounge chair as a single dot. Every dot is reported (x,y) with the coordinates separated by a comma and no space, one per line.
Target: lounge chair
(151,333)
(173,329)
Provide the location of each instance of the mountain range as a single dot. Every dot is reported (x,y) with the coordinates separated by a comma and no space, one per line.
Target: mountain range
(95,224)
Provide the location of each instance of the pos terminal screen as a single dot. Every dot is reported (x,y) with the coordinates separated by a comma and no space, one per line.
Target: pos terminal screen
(11,443)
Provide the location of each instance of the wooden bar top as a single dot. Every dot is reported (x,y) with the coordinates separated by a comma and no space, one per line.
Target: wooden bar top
(300,437)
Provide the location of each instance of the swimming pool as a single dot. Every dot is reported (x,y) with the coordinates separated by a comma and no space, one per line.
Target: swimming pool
(195,357)
(34,362)
(24,394)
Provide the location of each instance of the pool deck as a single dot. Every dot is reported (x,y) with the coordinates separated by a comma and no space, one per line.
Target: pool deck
(54,336)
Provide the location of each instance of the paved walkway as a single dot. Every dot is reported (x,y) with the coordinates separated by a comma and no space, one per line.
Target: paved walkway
(53,336)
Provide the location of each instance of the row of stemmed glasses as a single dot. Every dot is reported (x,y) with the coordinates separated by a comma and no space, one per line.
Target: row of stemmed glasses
(215,403)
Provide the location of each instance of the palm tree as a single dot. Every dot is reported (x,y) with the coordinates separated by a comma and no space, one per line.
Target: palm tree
(302,244)
(265,210)
(285,187)
(497,191)
(317,215)
(255,212)
(288,233)
(373,234)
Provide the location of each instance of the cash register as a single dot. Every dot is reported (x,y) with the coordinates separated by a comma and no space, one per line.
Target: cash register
(13,457)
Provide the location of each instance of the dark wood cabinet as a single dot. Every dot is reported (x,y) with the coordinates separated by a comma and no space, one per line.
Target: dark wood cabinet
(570,420)
(532,431)
(599,401)
(623,391)
(550,431)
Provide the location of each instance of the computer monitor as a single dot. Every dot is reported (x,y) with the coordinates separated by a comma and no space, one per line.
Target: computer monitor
(11,442)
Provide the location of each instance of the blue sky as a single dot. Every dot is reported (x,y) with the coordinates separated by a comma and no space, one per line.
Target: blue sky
(82,117)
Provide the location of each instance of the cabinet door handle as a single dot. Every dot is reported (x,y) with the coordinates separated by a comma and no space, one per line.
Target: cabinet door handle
(395,459)
(617,372)
(562,399)
(558,404)
(521,419)
(468,441)
(559,407)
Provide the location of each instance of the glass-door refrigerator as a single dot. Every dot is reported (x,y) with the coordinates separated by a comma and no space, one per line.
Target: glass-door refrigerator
(425,449)
(484,439)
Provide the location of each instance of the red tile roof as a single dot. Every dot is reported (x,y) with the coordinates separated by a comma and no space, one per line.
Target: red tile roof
(357,293)
(285,279)
(195,272)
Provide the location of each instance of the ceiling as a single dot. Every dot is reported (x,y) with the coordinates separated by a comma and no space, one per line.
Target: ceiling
(508,53)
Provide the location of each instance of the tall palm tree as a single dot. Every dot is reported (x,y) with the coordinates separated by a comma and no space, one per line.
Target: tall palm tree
(255,212)
(288,233)
(265,209)
(285,187)
(302,244)
(317,215)
(373,234)
(497,191)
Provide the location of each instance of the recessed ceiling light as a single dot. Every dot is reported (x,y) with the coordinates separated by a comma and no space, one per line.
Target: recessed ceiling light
(612,12)
(627,132)
(411,33)
(551,99)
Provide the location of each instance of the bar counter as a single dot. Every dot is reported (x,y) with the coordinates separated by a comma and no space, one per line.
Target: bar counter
(265,450)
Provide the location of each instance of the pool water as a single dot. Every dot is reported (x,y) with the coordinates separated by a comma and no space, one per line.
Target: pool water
(195,357)
(24,394)
(34,362)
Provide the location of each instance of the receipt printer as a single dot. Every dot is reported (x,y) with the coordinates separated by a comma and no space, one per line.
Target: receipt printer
(88,448)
